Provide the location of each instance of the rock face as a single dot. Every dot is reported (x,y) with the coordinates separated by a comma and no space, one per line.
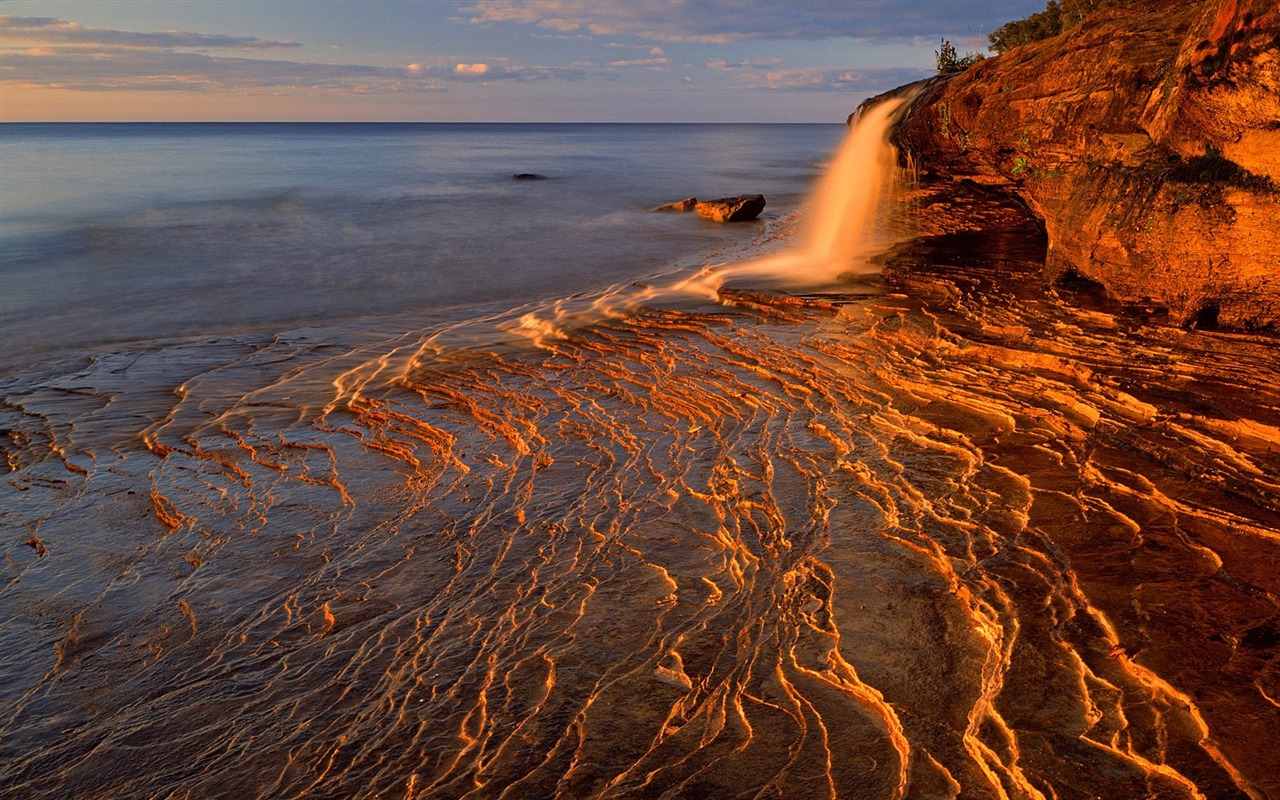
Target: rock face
(732,209)
(1147,140)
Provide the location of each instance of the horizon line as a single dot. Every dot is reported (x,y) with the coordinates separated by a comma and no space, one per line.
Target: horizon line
(409,122)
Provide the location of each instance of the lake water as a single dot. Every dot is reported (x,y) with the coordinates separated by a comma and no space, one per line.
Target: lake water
(124,232)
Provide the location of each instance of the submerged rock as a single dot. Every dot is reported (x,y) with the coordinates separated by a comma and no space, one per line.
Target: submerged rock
(742,208)
(686,204)
(1145,140)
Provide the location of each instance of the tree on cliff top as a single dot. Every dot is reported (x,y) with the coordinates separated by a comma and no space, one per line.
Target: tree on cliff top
(1058,16)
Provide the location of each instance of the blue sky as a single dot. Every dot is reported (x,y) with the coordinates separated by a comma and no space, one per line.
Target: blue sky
(473,60)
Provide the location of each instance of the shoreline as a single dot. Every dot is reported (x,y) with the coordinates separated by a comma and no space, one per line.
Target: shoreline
(775,230)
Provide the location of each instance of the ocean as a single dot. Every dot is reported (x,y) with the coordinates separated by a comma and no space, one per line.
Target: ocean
(338,463)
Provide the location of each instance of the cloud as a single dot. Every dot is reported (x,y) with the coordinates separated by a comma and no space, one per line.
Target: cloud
(159,70)
(47,30)
(50,53)
(813,79)
(133,70)
(721,65)
(502,70)
(724,21)
(640,62)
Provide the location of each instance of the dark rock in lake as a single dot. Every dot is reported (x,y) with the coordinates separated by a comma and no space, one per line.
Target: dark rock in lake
(686,204)
(528,176)
(742,208)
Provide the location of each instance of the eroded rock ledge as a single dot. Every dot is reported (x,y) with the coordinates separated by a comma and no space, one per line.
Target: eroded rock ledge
(1147,140)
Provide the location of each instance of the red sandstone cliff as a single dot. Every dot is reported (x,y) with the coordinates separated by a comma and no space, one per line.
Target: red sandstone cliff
(1148,142)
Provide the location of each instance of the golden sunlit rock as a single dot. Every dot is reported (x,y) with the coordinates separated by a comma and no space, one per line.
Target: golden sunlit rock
(1145,141)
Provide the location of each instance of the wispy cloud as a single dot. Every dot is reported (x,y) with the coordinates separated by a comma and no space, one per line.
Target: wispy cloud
(725,21)
(721,65)
(812,79)
(765,74)
(640,62)
(159,70)
(47,30)
(50,53)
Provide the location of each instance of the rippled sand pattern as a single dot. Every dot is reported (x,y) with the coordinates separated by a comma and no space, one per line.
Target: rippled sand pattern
(885,548)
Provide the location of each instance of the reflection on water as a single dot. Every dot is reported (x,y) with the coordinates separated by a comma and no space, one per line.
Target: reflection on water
(954,541)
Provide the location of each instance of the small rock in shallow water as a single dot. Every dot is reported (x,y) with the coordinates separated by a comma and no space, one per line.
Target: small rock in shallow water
(528,176)
(686,204)
(732,209)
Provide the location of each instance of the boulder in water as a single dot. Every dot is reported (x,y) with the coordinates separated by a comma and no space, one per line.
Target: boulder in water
(732,209)
(686,204)
(528,176)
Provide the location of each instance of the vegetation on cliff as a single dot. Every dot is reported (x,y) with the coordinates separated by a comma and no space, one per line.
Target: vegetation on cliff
(950,61)
(1058,16)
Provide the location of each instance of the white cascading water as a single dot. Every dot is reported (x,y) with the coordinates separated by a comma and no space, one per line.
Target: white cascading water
(840,230)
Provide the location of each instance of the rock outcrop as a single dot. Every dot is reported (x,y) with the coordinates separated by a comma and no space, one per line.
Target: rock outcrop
(742,208)
(1147,140)
(687,204)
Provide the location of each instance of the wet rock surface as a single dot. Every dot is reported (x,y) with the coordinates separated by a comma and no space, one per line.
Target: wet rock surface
(1145,141)
(686,204)
(954,538)
(742,208)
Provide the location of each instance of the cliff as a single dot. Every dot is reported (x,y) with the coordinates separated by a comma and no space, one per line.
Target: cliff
(1146,140)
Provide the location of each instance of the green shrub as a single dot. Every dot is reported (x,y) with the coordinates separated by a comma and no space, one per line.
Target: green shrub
(1058,16)
(949,61)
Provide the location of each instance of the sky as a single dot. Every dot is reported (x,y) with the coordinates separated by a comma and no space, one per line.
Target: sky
(473,60)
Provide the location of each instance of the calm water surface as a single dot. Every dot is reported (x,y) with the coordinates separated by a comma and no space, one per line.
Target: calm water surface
(119,232)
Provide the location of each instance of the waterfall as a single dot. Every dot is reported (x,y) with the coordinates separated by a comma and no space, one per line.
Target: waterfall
(842,228)
(841,223)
